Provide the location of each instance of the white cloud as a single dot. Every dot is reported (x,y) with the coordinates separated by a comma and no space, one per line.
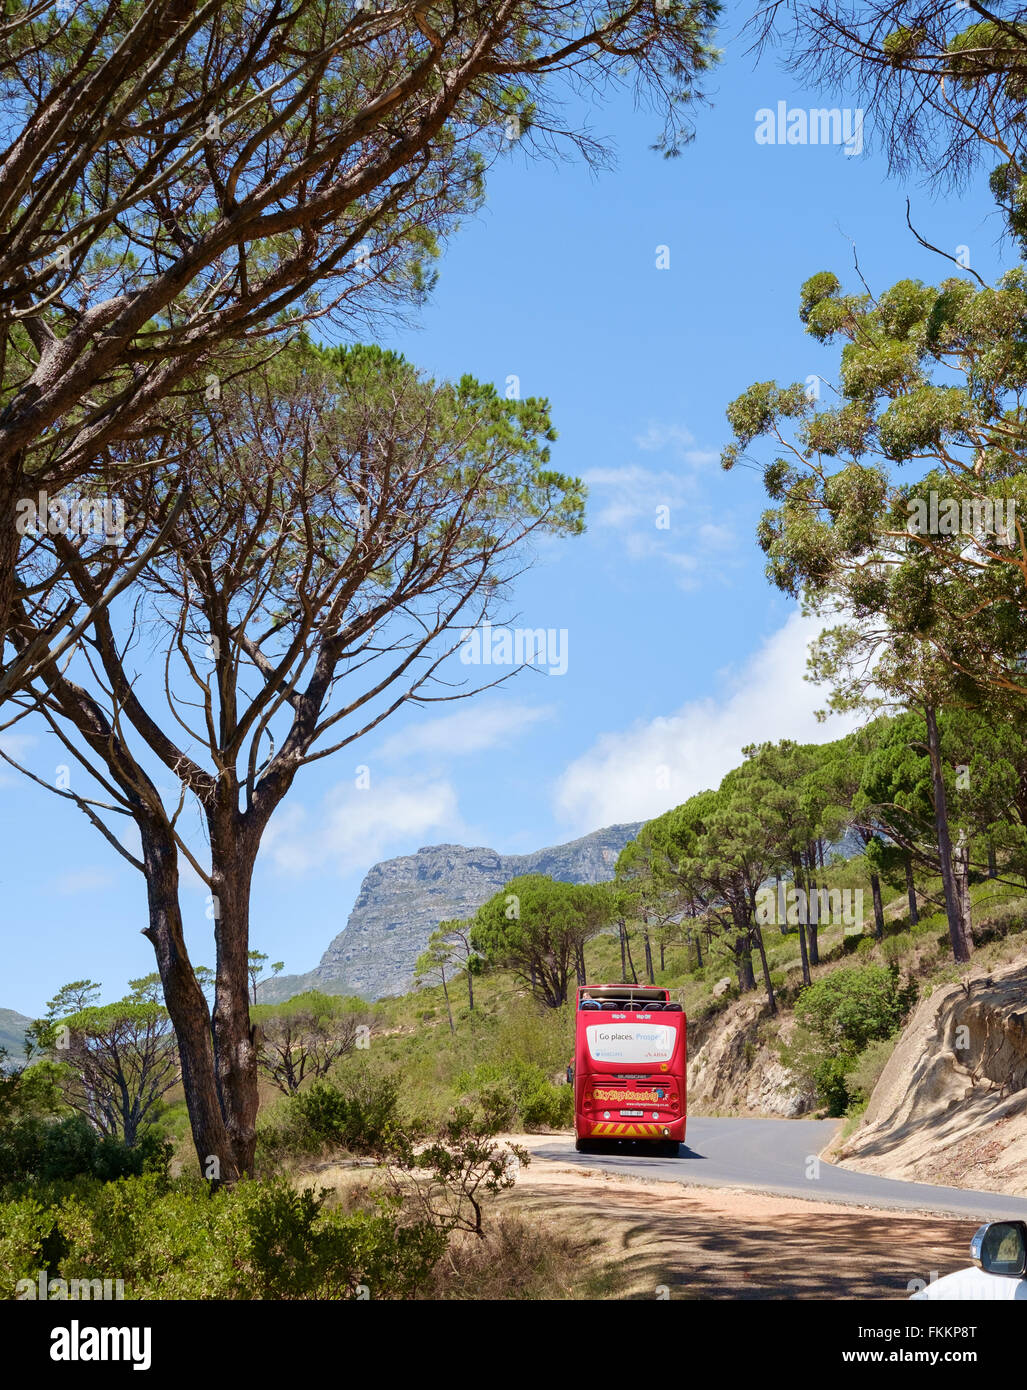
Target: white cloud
(642,771)
(471,728)
(663,516)
(16,745)
(634,493)
(80,881)
(660,436)
(355,827)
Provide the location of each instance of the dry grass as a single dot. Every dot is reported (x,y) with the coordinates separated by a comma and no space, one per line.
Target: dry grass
(520,1258)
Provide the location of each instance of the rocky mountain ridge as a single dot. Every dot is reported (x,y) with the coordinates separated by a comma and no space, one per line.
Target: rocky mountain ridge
(402,900)
(12,1033)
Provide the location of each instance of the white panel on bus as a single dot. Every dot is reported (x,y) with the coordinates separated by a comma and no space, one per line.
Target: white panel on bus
(630,1042)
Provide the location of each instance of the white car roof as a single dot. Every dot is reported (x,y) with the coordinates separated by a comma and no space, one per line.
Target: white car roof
(973,1284)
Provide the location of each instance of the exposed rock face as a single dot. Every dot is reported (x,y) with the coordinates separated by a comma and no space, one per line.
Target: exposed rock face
(401,902)
(951,1104)
(734,1068)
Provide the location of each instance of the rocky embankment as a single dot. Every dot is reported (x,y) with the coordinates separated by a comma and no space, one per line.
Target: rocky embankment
(951,1104)
(401,902)
(734,1067)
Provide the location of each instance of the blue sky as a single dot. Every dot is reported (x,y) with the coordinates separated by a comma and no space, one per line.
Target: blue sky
(678,650)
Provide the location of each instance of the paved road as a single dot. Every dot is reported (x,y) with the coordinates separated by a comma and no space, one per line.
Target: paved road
(774,1156)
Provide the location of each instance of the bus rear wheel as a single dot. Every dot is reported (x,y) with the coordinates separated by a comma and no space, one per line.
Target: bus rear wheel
(584,1146)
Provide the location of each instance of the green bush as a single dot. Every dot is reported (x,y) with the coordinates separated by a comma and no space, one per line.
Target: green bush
(534,1100)
(359,1117)
(865,1072)
(838,1019)
(25,1229)
(894,948)
(257,1240)
(60,1151)
(854,1006)
(828,1075)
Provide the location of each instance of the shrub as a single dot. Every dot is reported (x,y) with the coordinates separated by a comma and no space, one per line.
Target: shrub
(854,1006)
(894,948)
(261,1239)
(25,1228)
(535,1102)
(828,1076)
(61,1151)
(359,1118)
(866,1071)
(838,1019)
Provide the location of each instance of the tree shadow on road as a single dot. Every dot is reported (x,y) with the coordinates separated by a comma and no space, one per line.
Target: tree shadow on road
(663,1245)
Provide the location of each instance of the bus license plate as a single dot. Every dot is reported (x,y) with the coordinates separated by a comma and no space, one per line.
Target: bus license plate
(632,1114)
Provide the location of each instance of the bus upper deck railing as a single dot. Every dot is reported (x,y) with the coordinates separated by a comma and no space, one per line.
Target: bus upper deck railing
(642,1006)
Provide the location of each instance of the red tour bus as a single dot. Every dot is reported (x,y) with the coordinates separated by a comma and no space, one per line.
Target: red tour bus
(629,1067)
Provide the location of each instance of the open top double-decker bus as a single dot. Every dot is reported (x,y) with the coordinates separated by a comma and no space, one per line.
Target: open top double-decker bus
(629,1068)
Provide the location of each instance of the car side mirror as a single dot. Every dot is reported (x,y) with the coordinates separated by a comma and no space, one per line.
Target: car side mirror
(1000,1247)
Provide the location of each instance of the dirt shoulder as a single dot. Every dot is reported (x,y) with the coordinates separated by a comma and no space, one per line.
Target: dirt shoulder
(663,1239)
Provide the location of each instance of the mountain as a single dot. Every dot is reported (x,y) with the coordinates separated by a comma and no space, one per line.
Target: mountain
(12,1033)
(401,902)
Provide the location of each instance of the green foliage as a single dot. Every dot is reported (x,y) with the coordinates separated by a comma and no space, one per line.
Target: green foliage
(851,1007)
(536,925)
(267,1238)
(838,1018)
(931,374)
(358,1117)
(258,1240)
(865,1072)
(60,1150)
(534,1101)
(114,1061)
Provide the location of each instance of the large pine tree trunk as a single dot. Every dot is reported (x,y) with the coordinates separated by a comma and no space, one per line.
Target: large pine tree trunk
(958,936)
(188,1010)
(232,859)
